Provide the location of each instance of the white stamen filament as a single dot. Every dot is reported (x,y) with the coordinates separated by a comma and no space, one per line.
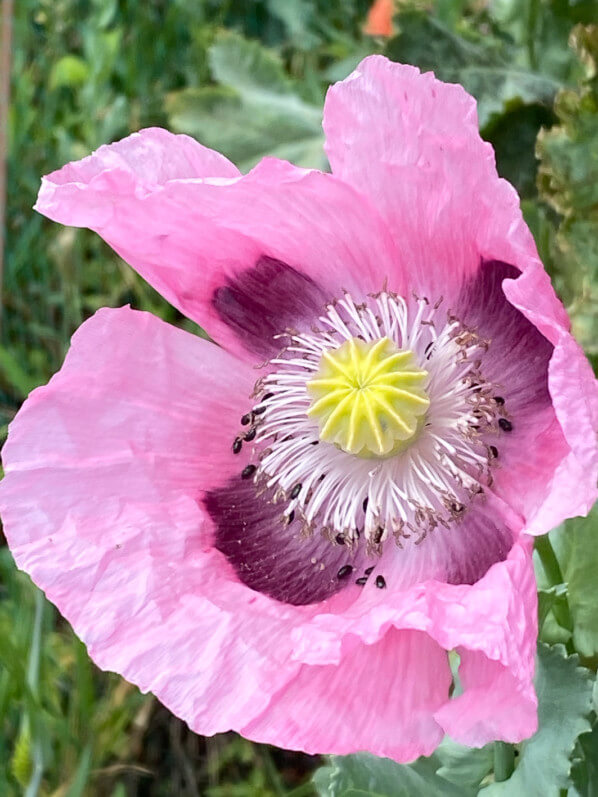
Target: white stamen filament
(433,480)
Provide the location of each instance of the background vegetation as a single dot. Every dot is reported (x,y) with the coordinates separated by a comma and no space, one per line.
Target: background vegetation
(249,77)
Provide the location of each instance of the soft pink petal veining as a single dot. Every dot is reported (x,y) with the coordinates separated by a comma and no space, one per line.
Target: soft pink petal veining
(411,144)
(144,393)
(380,697)
(499,699)
(155,156)
(571,487)
(496,705)
(188,231)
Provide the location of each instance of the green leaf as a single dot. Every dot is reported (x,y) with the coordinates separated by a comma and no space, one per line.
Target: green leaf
(576,546)
(21,764)
(363,774)
(466,766)
(547,599)
(256,111)
(298,19)
(584,771)
(484,65)
(105,11)
(70,70)
(246,65)
(568,182)
(12,371)
(540,34)
(564,704)
(80,782)
(246,129)
(513,136)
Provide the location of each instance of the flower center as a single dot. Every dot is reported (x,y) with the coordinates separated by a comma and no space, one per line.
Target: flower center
(357,441)
(368,398)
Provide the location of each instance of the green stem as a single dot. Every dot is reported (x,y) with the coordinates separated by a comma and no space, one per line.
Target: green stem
(554,574)
(34,785)
(504,761)
(549,561)
(532,24)
(272,772)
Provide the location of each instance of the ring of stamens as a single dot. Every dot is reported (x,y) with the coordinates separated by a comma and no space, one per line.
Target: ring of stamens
(431,481)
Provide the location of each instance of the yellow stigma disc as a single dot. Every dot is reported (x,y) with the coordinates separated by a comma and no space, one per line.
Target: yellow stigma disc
(369,398)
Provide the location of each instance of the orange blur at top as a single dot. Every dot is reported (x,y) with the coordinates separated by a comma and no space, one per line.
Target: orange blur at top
(379,19)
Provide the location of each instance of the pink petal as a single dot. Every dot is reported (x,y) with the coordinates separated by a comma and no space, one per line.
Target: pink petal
(134,393)
(380,697)
(411,144)
(571,490)
(153,156)
(548,464)
(499,699)
(460,554)
(496,706)
(104,468)
(517,363)
(191,231)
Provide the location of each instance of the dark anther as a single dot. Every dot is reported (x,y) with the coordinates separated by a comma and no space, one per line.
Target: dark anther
(494,451)
(291,516)
(248,471)
(259,410)
(365,503)
(505,425)
(314,442)
(427,350)
(457,508)
(295,491)
(378,535)
(499,400)
(251,434)
(361,581)
(345,571)
(340,539)
(368,570)
(380,582)
(245,419)
(237,445)
(267,396)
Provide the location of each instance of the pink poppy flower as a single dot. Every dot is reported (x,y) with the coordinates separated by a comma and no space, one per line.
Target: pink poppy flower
(285,534)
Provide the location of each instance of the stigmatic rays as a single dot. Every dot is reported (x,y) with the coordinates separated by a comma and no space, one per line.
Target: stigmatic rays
(378,422)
